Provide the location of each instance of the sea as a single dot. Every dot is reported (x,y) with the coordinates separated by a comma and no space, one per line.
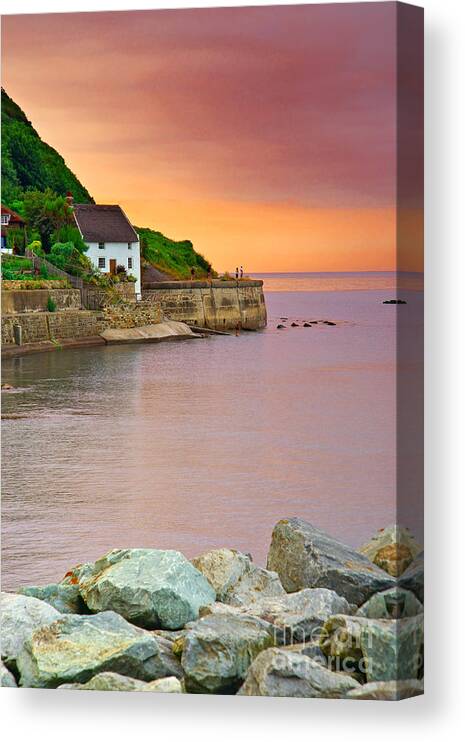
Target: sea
(203,444)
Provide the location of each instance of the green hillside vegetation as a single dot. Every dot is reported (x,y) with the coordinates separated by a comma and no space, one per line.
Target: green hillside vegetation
(173,258)
(35,180)
(29,163)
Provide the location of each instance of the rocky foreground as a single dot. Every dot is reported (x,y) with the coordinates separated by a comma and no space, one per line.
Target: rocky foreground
(322,621)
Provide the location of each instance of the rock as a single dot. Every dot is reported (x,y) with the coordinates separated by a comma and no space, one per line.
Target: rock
(235,578)
(7,387)
(392,549)
(277,672)
(390,690)
(149,587)
(307,324)
(309,649)
(280,327)
(64,597)
(303,556)
(294,324)
(218,650)
(7,679)
(164,685)
(332,324)
(394,301)
(413,577)
(107,681)
(380,649)
(75,648)
(295,617)
(392,603)
(114,681)
(21,615)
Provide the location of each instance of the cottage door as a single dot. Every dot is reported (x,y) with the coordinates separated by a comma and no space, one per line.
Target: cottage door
(112,266)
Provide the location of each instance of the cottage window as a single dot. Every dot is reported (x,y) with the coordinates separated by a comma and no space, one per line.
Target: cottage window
(129,262)
(101,246)
(129,245)
(5,218)
(101,262)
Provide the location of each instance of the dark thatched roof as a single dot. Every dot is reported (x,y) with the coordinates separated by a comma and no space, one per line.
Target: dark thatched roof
(104,223)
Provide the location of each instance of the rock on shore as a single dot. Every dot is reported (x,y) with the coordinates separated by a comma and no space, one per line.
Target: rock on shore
(280,673)
(235,578)
(149,587)
(75,648)
(303,556)
(323,621)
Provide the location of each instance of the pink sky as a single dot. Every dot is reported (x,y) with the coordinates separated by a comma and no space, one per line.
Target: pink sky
(266,135)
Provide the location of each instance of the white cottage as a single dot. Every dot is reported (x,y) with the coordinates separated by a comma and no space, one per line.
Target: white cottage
(111,239)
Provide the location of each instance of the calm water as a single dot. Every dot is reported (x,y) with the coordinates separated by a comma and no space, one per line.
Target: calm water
(208,443)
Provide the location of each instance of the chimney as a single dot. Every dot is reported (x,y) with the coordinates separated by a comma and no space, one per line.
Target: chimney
(69,199)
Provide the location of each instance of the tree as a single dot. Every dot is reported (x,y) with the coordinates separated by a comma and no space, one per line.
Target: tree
(47,213)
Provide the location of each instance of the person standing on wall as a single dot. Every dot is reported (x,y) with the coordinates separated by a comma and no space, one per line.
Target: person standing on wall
(237,274)
(242,272)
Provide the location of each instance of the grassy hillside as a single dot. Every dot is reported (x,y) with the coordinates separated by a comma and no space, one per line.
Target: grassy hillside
(171,257)
(30,163)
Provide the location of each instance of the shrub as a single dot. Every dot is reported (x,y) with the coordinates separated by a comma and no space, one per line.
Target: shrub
(51,305)
(67,257)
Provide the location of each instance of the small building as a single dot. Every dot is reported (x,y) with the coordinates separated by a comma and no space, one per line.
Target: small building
(111,239)
(11,221)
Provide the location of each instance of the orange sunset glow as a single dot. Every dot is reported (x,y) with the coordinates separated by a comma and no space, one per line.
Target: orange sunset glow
(267,136)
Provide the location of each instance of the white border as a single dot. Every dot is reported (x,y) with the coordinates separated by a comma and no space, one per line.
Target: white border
(44,715)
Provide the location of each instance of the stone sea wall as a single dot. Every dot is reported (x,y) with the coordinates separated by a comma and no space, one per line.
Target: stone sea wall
(39,327)
(321,621)
(217,305)
(35,300)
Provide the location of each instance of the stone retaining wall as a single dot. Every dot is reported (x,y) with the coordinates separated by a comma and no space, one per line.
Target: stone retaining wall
(218,305)
(35,300)
(45,326)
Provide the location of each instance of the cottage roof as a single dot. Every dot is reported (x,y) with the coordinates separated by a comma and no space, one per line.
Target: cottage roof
(104,223)
(14,217)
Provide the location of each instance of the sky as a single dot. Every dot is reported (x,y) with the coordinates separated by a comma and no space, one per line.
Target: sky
(266,135)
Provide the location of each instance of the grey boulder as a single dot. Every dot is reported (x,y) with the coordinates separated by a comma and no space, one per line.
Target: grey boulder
(108,681)
(303,556)
(149,587)
(21,615)
(218,650)
(7,679)
(389,690)
(392,603)
(277,672)
(377,648)
(413,577)
(75,648)
(295,617)
(65,598)
(235,578)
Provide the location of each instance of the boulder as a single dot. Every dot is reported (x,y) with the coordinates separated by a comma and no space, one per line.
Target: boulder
(75,648)
(218,650)
(295,617)
(114,681)
(149,587)
(277,672)
(377,648)
(21,615)
(164,685)
(235,578)
(303,556)
(7,679)
(413,578)
(392,549)
(389,690)
(392,603)
(65,598)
